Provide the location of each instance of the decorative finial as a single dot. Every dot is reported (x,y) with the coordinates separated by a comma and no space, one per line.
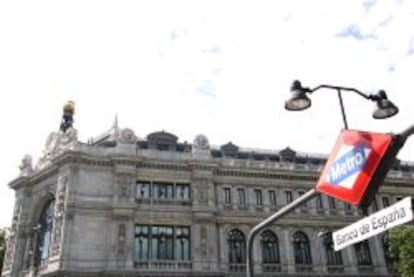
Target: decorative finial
(67,118)
(26,167)
(201,142)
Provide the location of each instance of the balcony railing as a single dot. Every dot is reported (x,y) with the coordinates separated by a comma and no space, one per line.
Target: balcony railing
(233,267)
(304,267)
(164,265)
(365,268)
(335,268)
(268,268)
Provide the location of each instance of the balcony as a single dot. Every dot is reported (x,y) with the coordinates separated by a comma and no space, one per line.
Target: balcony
(233,267)
(269,268)
(163,265)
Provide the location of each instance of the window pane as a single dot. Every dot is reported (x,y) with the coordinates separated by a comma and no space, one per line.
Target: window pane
(182,191)
(45,235)
(288,195)
(227,196)
(363,253)
(182,243)
(237,246)
(385,202)
(259,200)
(301,248)
(143,189)
(319,204)
(332,257)
(242,197)
(332,204)
(270,247)
(141,244)
(272,198)
(163,190)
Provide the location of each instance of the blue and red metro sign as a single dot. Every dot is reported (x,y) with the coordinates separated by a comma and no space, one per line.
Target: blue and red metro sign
(352,163)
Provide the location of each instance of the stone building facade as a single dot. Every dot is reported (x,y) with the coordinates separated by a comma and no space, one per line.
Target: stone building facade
(123,206)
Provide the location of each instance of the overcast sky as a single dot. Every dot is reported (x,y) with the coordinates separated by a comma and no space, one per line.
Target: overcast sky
(221,68)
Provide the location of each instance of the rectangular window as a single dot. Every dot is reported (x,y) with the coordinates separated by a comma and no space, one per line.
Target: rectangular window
(143,190)
(288,195)
(272,198)
(398,199)
(319,204)
(375,205)
(348,207)
(227,196)
(161,243)
(242,197)
(182,191)
(332,203)
(385,202)
(162,190)
(141,243)
(259,200)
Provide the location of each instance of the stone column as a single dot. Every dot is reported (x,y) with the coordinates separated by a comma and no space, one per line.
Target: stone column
(286,247)
(350,261)
(377,254)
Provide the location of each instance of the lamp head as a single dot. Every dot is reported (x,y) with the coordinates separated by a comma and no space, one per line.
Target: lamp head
(385,108)
(298,101)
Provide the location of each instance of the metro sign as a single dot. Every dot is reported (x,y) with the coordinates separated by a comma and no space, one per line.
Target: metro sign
(353,166)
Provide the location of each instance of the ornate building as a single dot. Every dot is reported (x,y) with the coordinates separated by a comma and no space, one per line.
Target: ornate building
(123,206)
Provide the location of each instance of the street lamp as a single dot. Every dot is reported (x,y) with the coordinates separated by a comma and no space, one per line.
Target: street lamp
(299,100)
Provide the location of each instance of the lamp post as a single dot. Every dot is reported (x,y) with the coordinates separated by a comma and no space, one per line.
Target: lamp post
(300,101)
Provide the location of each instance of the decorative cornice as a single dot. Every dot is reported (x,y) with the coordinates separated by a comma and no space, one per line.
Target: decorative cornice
(217,169)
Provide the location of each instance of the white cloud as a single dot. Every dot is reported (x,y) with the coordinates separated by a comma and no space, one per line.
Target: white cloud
(222,68)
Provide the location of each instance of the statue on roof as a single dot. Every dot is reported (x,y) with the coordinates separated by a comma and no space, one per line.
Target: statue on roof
(201,142)
(26,167)
(67,118)
(63,140)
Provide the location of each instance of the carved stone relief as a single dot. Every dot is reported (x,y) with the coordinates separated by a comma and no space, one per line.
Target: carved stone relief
(126,135)
(56,144)
(11,241)
(202,191)
(201,142)
(58,223)
(203,241)
(121,248)
(121,239)
(124,182)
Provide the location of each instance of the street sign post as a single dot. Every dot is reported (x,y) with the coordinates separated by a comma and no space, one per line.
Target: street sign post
(397,214)
(353,164)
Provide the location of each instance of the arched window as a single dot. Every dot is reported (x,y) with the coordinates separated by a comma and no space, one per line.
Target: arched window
(389,260)
(332,257)
(363,254)
(301,248)
(237,247)
(45,233)
(270,248)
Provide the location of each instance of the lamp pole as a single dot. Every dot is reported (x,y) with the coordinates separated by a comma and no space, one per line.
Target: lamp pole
(298,102)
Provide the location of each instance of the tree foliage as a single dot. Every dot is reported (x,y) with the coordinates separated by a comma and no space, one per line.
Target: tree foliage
(2,246)
(401,243)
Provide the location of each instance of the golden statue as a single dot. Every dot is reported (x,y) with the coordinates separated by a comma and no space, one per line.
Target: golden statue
(67,118)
